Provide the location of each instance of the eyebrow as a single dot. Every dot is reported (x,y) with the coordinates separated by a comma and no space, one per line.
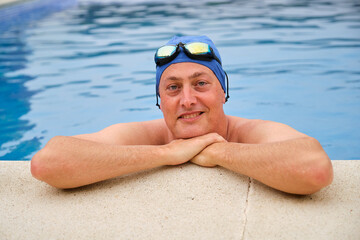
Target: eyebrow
(194,75)
(197,74)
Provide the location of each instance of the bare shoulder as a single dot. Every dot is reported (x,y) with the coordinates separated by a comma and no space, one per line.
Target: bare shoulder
(260,131)
(154,132)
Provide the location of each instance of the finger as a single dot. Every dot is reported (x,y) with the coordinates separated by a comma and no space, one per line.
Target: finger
(209,138)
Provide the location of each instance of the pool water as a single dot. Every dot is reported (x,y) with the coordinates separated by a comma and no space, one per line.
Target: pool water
(91,65)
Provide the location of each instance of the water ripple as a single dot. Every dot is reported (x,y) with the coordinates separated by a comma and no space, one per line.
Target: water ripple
(296,61)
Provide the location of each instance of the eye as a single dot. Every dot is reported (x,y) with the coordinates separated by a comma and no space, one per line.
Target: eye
(172,87)
(201,83)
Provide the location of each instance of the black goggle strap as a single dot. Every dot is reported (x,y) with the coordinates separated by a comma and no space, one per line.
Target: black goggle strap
(227,87)
(157,101)
(227,92)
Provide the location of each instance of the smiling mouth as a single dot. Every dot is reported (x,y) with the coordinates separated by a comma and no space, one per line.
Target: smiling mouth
(192,115)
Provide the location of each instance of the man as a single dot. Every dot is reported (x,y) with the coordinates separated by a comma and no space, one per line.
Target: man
(190,82)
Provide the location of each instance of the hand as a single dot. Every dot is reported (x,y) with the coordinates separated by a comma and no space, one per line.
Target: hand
(209,156)
(182,150)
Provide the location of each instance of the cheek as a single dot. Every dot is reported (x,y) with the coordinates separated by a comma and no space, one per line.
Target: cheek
(167,106)
(223,97)
(220,97)
(216,99)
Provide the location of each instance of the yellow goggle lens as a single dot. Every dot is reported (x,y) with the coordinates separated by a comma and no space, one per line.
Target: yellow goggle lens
(198,48)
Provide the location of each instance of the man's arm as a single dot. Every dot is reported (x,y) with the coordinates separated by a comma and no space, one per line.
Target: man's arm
(277,156)
(68,162)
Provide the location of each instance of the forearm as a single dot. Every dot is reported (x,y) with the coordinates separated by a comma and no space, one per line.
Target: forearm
(297,166)
(68,162)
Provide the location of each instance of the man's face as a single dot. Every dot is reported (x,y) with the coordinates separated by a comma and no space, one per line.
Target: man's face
(191,100)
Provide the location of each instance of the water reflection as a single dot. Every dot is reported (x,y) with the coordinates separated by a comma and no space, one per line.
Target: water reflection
(14,95)
(14,98)
(91,66)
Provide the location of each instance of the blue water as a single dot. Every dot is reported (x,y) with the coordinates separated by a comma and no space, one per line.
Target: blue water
(91,65)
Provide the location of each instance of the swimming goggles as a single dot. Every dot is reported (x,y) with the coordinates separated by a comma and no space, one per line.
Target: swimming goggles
(195,50)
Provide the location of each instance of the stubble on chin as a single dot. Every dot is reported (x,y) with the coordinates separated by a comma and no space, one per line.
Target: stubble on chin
(182,133)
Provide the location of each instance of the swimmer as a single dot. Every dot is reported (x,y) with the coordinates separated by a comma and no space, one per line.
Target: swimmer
(192,88)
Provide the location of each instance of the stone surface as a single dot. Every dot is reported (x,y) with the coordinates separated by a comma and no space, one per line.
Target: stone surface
(332,213)
(182,202)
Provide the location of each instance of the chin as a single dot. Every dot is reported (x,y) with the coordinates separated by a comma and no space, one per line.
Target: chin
(189,134)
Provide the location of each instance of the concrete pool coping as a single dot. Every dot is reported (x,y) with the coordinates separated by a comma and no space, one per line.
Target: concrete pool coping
(181,202)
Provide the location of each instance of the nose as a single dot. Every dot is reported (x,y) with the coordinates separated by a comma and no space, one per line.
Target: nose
(188,98)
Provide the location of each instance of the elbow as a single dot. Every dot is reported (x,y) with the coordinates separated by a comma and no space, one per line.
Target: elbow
(46,165)
(319,171)
(320,177)
(39,168)
(44,168)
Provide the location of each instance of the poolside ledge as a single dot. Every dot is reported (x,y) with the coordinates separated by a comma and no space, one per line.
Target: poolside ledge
(183,202)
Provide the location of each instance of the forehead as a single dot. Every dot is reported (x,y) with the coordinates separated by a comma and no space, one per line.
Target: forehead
(186,70)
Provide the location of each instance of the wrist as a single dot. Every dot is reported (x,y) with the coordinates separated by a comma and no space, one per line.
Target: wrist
(212,154)
(217,153)
(162,153)
(166,155)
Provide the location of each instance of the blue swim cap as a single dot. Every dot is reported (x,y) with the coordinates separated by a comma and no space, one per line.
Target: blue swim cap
(182,57)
